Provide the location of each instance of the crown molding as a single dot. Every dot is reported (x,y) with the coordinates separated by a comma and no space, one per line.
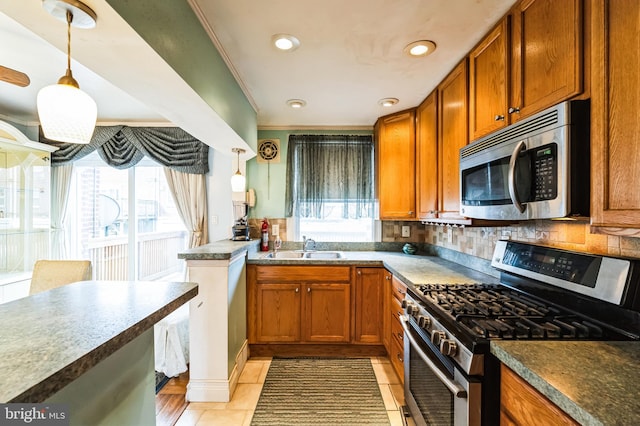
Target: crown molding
(294,127)
(216,42)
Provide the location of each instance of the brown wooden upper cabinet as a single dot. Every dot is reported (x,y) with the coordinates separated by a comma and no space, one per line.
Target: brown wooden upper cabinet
(396,161)
(452,135)
(489,82)
(615,146)
(427,157)
(530,61)
(546,55)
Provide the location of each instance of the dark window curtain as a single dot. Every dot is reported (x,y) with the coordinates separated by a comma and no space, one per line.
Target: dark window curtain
(122,147)
(324,169)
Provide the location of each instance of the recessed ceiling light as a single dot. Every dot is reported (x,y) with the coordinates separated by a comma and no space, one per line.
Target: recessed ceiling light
(388,102)
(296,103)
(420,48)
(285,42)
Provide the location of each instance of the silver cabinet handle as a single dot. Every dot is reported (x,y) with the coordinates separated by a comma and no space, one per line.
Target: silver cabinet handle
(308,289)
(513,110)
(455,388)
(297,290)
(521,146)
(499,117)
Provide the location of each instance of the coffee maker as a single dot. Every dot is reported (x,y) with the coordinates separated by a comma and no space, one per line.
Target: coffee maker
(240,228)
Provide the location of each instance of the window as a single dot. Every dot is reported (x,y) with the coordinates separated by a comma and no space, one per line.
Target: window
(124,221)
(329,189)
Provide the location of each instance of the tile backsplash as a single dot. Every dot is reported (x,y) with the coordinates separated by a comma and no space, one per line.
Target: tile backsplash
(480,241)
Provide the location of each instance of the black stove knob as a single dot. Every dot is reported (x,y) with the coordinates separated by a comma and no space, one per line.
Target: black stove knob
(411,309)
(449,347)
(437,336)
(424,322)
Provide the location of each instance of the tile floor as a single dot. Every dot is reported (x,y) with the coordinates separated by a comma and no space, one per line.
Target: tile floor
(239,410)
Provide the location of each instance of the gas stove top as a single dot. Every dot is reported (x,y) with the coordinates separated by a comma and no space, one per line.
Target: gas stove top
(544,293)
(496,311)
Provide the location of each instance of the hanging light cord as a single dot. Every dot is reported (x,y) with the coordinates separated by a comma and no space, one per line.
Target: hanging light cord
(69,20)
(67,78)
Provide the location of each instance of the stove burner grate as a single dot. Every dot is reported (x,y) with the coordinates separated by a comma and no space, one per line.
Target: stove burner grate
(493,311)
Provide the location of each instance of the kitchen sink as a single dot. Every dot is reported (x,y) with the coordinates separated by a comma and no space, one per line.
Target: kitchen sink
(320,255)
(285,255)
(323,255)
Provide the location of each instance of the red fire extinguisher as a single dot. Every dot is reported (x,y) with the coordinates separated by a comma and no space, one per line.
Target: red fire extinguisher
(264,245)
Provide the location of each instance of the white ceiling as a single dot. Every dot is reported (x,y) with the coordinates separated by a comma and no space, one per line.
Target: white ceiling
(351,55)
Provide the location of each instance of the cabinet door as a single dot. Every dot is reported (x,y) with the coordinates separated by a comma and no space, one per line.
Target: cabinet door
(427,157)
(452,99)
(488,82)
(396,166)
(521,404)
(546,54)
(278,308)
(326,313)
(615,150)
(369,296)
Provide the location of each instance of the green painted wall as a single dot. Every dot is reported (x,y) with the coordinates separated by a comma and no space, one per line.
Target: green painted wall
(173,30)
(269,179)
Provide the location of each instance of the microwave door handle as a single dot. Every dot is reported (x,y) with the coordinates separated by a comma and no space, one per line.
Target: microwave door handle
(455,388)
(521,146)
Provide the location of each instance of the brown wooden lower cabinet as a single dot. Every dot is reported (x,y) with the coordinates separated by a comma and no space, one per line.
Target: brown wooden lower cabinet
(315,310)
(523,405)
(369,285)
(295,304)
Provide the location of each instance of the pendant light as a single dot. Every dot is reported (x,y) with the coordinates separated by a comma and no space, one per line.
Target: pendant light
(67,114)
(238,182)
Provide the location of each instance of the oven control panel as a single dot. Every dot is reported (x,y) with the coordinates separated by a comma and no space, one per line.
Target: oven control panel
(601,277)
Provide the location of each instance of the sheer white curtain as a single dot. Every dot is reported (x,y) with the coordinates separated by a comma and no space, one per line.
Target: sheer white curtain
(60,187)
(189,192)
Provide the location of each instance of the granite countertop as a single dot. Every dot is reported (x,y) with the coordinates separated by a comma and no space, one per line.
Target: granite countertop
(411,269)
(594,382)
(219,250)
(51,338)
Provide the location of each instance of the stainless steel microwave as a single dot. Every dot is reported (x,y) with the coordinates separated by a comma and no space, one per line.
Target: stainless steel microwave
(537,168)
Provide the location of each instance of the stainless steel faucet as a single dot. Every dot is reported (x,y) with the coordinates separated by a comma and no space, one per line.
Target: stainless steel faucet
(306,241)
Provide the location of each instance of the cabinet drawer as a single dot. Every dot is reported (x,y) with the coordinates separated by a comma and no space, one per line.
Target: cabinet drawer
(396,309)
(397,331)
(398,288)
(396,356)
(307,273)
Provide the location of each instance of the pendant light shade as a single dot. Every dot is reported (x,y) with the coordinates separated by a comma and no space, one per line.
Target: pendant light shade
(67,114)
(238,182)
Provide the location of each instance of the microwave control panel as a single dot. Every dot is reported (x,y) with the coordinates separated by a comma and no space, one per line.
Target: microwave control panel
(545,165)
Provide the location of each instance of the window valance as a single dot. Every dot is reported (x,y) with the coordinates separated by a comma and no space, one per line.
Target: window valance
(122,147)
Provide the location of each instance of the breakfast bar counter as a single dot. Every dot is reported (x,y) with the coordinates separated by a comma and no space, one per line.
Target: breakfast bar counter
(60,345)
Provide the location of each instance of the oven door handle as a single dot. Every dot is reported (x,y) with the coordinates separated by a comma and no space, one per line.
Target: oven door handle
(521,146)
(455,388)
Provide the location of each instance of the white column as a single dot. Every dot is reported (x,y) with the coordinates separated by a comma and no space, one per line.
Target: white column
(217,328)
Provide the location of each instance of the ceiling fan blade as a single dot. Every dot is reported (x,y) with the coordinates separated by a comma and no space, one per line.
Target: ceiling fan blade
(14,77)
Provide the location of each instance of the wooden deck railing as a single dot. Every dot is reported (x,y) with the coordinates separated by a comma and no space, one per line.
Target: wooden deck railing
(157,255)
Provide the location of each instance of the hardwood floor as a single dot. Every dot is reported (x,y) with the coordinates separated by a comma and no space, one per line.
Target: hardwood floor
(170,401)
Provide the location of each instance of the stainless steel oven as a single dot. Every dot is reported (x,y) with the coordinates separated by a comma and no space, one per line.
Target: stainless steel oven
(451,377)
(438,392)
(536,168)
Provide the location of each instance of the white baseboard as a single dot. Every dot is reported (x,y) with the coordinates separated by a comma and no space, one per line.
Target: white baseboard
(207,390)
